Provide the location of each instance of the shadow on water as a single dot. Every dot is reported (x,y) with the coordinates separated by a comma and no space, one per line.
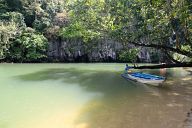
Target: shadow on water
(105,82)
(108,83)
(123,102)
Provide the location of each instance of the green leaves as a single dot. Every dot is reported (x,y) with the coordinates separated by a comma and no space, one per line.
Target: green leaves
(140,21)
(11,24)
(128,55)
(78,31)
(27,47)
(75,30)
(89,20)
(42,24)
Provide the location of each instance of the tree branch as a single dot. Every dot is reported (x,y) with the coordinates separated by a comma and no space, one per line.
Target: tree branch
(171,58)
(186,53)
(164,66)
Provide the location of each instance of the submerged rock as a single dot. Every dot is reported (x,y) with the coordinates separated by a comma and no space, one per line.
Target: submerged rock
(188,121)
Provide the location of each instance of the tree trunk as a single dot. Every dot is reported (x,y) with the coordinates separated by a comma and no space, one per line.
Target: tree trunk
(164,66)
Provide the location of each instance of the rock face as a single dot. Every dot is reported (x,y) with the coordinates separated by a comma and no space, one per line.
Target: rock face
(188,121)
(104,50)
(75,50)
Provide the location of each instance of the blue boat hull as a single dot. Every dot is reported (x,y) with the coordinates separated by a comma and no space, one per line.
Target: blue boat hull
(144,78)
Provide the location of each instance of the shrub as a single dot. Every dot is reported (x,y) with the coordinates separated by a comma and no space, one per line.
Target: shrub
(28,47)
(128,55)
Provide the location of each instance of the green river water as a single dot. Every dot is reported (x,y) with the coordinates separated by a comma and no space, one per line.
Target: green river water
(90,96)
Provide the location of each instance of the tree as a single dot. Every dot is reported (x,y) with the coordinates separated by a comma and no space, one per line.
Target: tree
(10,27)
(129,55)
(28,46)
(93,16)
(165,25)
(3,6)
(153,24)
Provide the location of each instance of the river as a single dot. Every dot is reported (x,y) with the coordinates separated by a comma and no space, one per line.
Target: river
(90,96)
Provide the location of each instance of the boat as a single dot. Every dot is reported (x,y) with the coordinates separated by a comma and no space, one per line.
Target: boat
(144,78)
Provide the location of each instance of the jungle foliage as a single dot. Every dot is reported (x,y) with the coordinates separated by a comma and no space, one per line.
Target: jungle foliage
(165,25)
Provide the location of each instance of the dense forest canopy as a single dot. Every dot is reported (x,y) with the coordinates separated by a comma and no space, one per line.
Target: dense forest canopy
(26,26)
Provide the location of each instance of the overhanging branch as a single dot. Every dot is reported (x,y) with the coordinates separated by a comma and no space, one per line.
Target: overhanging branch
(171,58)
(186,53)
(164,66)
